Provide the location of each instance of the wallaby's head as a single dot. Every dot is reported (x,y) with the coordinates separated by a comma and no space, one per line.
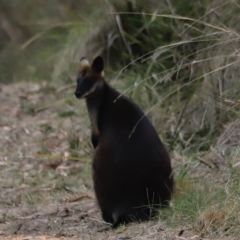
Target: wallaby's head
(90,77)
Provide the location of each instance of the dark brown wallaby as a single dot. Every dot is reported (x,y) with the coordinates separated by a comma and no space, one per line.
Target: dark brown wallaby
(132,171)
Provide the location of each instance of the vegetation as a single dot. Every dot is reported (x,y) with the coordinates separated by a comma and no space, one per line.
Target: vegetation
(179,60)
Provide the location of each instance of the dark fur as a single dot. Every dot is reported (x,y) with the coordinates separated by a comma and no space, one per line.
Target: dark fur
(132,172)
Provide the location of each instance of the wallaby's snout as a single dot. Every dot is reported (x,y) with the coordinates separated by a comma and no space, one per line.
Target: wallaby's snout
(78,94)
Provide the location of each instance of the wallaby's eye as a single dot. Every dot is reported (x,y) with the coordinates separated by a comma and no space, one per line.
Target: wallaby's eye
(81,75)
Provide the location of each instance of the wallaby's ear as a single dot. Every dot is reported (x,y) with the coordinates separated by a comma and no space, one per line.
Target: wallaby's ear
(84,63)
(98,65)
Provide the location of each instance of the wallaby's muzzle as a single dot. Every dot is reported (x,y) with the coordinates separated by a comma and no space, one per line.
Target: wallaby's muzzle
(78,94)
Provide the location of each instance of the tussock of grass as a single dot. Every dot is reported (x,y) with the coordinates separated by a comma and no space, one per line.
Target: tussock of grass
(209,206)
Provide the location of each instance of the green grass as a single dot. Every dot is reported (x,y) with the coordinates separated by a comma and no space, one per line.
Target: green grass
(207,206)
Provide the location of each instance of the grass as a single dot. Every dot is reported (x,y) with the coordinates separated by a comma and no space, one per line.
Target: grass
(208,209)
(178,62)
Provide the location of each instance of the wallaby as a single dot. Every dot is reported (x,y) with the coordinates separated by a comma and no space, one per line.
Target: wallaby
(132,171)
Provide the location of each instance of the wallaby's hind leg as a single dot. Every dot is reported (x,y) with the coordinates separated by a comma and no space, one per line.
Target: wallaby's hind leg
(107,217)
(132,215)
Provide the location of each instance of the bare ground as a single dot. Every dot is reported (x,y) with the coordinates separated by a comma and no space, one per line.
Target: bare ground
(44,195)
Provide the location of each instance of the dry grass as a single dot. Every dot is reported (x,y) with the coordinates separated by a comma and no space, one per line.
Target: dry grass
(188,86)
